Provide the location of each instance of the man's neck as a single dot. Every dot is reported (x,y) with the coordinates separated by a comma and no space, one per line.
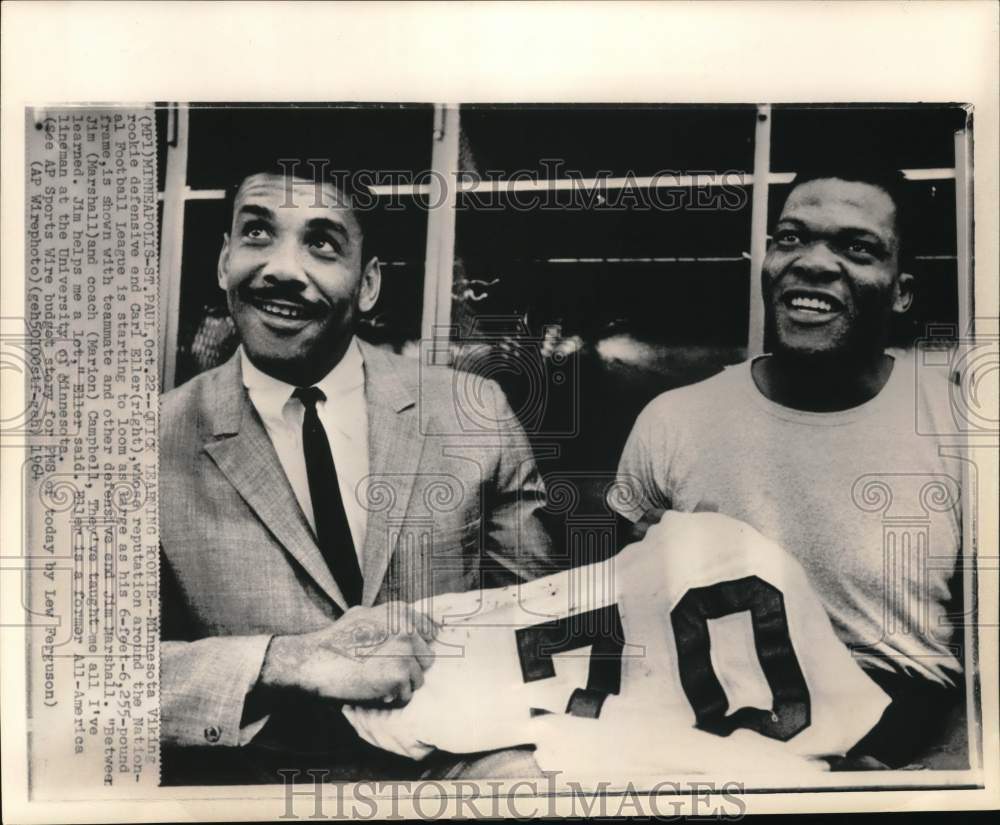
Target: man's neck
(819,384)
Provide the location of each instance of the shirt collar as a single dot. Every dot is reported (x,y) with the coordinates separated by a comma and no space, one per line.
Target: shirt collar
(270,395)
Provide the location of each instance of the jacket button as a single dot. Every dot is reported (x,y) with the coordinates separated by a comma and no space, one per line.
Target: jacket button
(212,734)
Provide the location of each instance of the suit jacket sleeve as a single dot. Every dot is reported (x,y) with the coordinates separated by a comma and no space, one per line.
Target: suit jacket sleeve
(204,683)
(518,544)
(204,686)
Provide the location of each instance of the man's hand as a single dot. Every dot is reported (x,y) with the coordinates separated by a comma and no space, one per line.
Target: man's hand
(641,527)
(373,726)
(370,653)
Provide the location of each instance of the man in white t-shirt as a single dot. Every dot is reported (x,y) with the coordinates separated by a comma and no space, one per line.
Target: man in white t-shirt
(815,445)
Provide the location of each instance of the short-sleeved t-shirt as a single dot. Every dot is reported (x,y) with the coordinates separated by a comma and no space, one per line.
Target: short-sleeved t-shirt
(867,498)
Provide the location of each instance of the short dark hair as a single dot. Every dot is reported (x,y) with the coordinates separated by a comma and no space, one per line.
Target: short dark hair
(358,193)
(890,181)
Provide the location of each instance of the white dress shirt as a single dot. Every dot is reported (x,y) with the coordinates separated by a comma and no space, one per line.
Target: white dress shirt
(344,416)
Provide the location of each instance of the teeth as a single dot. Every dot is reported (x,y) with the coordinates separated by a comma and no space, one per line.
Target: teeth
(282,311)
(815,304)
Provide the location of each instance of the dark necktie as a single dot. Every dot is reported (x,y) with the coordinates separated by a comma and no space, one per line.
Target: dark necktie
(333,533)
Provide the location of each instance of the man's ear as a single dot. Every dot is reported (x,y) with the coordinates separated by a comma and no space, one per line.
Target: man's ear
(222,270)
(371,285)
(904,293)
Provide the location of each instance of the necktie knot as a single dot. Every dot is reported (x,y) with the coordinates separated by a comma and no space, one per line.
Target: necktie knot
(309,396)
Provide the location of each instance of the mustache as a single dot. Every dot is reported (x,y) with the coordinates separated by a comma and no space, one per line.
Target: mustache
(285,294)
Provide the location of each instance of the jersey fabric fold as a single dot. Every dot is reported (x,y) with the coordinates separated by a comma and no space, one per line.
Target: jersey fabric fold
(700,648)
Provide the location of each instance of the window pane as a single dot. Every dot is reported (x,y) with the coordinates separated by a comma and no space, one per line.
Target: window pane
(377,137)
(640,139)
(912,137)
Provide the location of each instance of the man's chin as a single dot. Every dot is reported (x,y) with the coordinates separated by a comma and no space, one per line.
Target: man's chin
(266,344)
(805,341)
(824,354)
(300,367)
(277,365)
(295,354)
(809,348)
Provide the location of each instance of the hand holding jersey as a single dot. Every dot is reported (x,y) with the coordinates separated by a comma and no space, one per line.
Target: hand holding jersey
(368,653)
(701,647)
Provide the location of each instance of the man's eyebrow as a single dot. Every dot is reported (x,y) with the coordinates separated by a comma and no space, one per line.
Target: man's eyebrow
(841,231)
(883,243)
(315,224)
(845,233)
(258,211)
(859,230)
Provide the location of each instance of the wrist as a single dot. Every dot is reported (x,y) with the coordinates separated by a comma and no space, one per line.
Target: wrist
(280,663)
(259,700)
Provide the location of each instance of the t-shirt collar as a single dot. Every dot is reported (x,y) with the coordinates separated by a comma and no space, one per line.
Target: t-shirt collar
(831,418)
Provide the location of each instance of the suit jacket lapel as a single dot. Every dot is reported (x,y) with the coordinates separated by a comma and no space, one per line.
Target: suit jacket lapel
(394,448)
(244,454)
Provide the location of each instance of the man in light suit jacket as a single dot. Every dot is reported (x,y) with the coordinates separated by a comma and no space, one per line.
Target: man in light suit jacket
(269,624)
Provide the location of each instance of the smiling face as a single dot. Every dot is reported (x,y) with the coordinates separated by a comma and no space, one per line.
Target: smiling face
(293,275)
(831,278)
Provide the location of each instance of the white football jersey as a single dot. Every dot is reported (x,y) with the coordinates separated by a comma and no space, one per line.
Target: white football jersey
(702,647)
